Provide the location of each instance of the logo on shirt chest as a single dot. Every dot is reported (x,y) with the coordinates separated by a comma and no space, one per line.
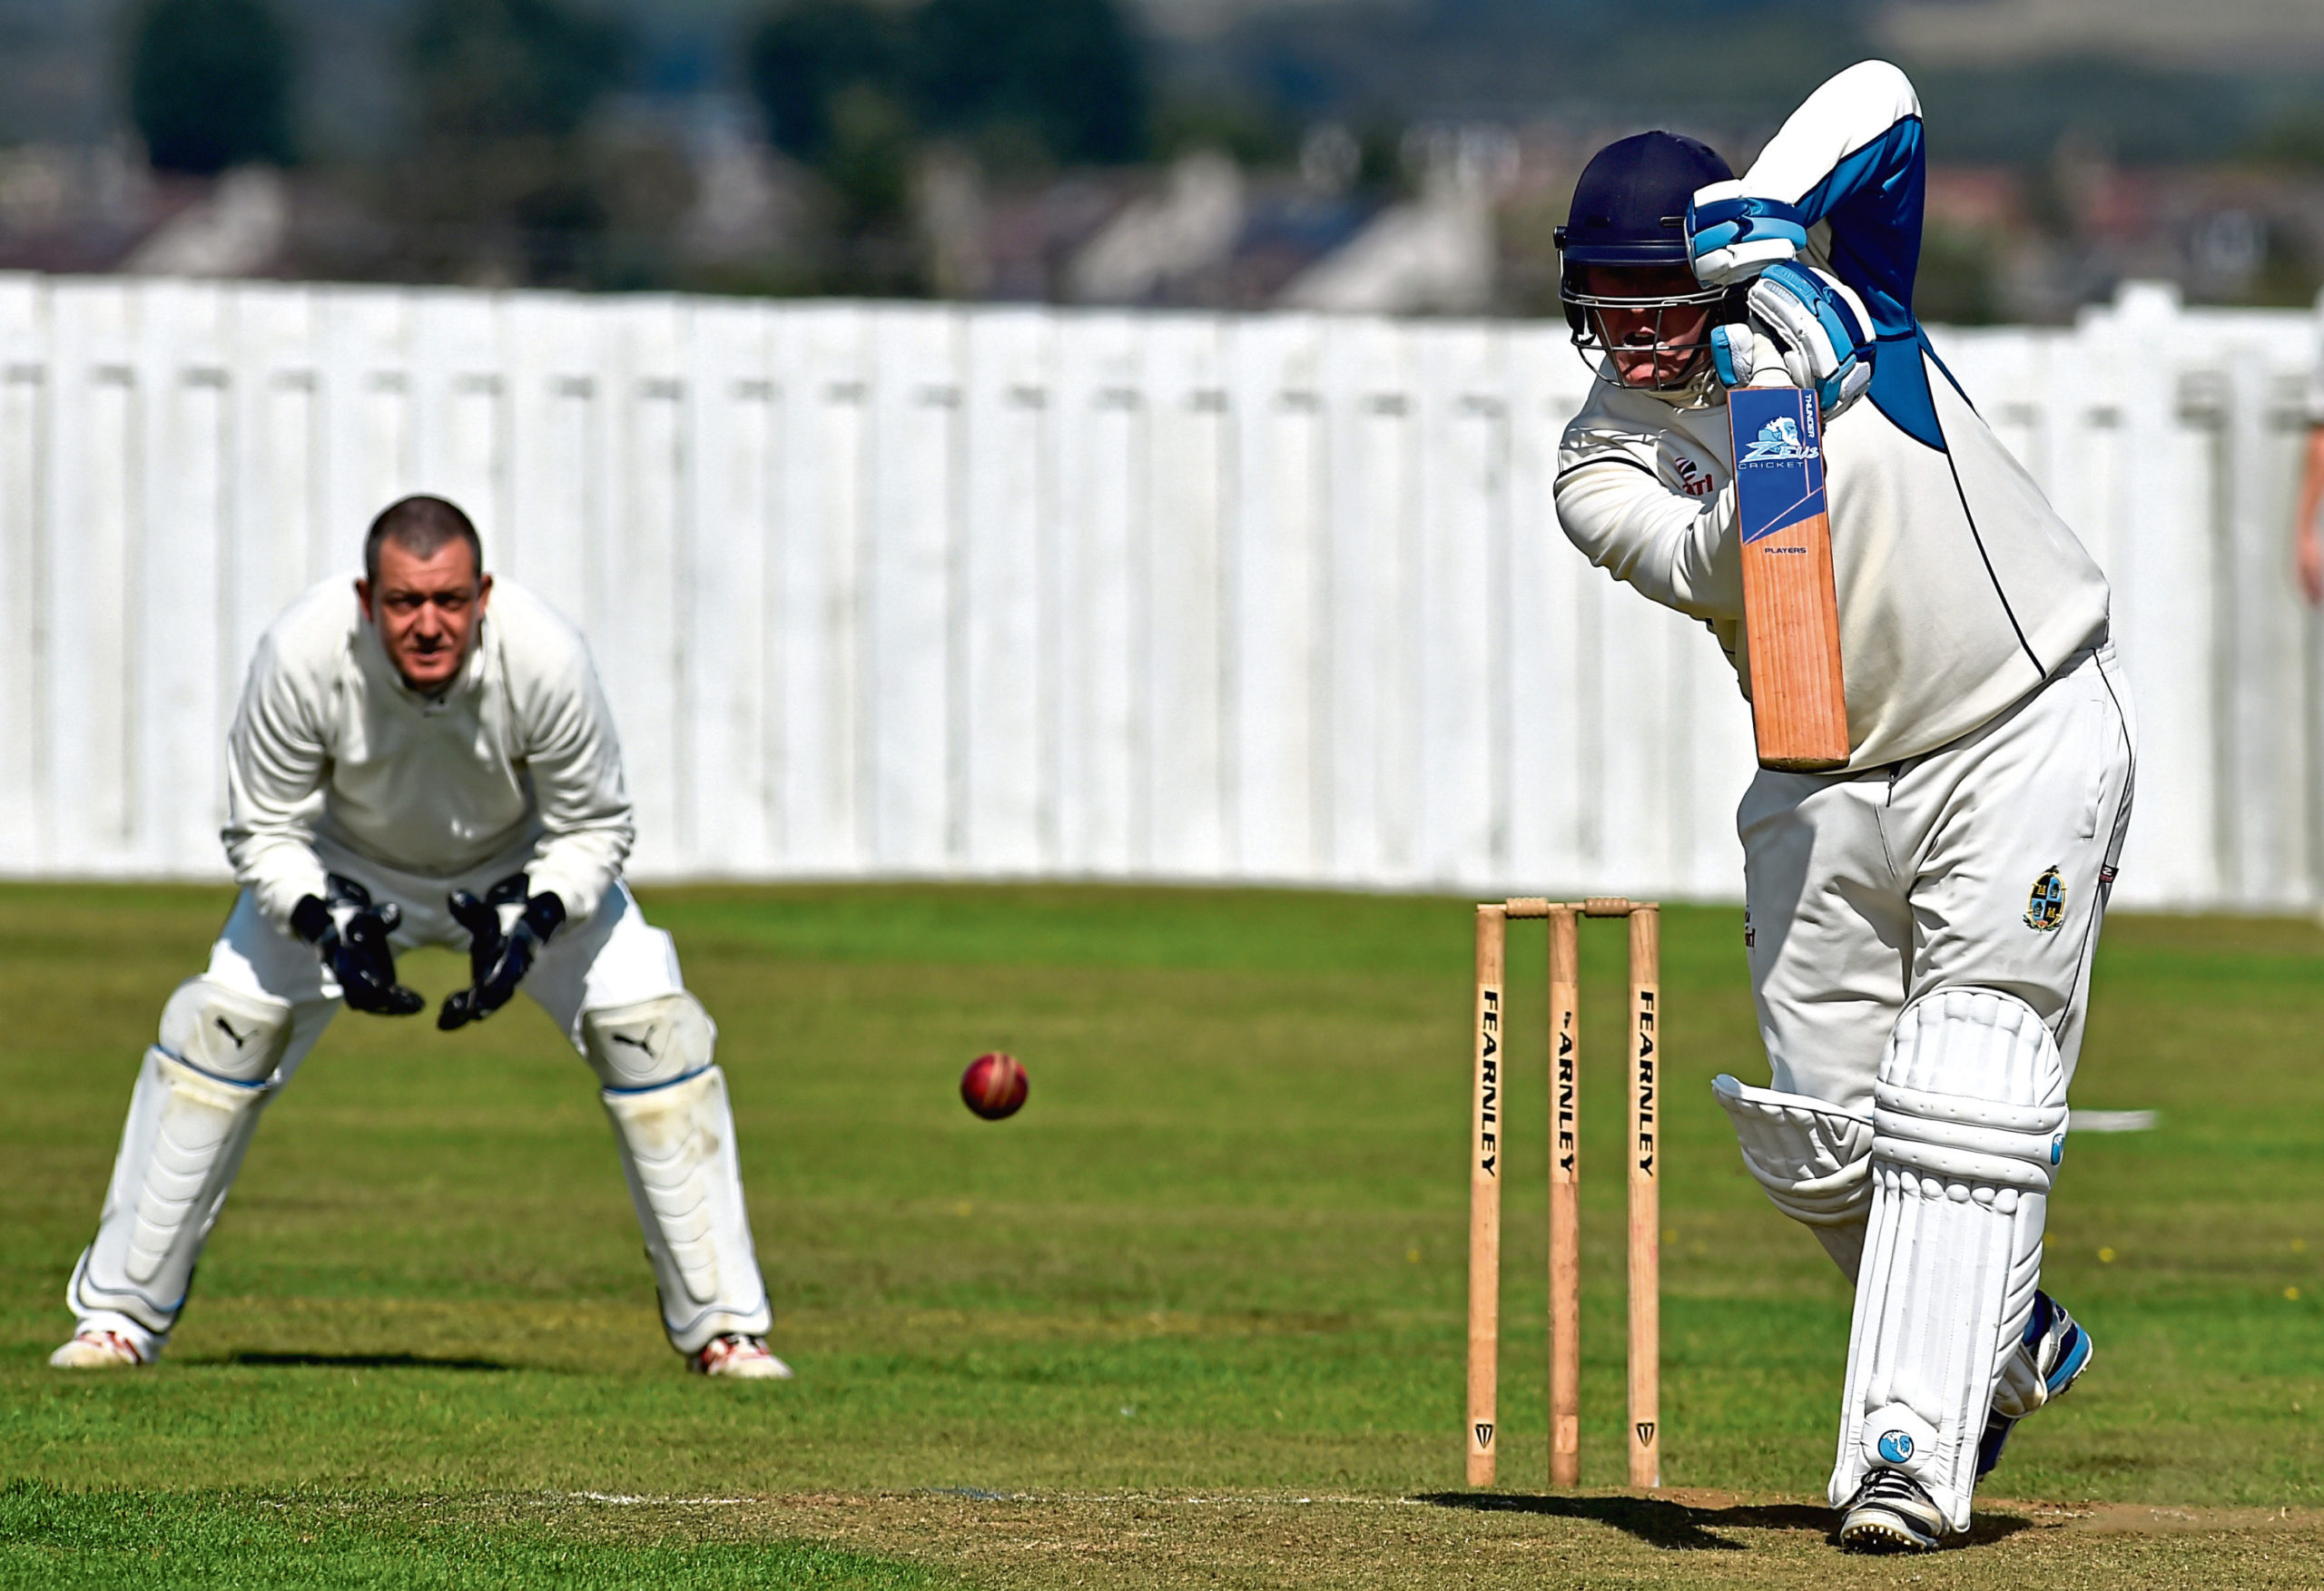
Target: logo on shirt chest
(1693,479)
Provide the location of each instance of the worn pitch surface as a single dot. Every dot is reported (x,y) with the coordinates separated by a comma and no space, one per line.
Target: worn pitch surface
(1193,1318)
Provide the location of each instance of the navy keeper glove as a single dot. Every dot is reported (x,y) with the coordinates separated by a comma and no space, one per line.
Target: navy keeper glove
(350,935)
(498,956)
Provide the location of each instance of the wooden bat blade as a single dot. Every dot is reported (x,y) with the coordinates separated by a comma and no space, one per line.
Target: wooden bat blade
(1791,619)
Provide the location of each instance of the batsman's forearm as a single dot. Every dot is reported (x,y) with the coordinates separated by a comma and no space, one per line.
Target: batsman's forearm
(1678,550)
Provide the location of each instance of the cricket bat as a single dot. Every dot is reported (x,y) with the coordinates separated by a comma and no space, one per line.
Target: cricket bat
(1791,619)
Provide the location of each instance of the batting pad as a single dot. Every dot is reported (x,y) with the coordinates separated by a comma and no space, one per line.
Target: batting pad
(1969,1124)
(1813,1159)
(678,1151)
(191,1117)
(650,1043)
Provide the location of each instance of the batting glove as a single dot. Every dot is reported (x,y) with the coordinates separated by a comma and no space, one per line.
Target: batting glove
(1732,236)
(1821,330)
(506,930)
(350,935)
(1802,328)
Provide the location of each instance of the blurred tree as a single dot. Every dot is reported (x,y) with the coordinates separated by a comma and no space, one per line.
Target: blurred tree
(869,158)
(1956,283)
(210,85)
(1072,74)
(804,60)
(1245,128)
(506,178)
(494,69)
(2293,139)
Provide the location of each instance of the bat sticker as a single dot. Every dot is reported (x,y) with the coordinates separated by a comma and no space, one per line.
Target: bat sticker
(1783,467)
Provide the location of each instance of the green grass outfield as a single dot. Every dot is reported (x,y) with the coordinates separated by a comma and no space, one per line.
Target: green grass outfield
(1194,1317)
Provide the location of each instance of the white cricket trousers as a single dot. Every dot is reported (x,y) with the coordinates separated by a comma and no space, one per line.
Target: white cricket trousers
(1985,864)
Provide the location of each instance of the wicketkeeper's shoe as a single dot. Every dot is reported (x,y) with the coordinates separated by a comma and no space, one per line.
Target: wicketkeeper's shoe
(1891,1513)
(744,1358)
(97,1350)
(2048,1359)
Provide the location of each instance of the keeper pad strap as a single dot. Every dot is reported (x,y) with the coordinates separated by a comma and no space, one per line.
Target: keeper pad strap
(1969,1128)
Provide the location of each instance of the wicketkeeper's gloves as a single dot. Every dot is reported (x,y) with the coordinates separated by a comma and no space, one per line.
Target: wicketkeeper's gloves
(506,930)
(350,935)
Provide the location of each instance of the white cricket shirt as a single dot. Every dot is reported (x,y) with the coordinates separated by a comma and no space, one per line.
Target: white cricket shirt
(330,743)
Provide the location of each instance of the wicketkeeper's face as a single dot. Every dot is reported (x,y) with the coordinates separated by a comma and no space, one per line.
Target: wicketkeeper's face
(427,610)
(1653,341)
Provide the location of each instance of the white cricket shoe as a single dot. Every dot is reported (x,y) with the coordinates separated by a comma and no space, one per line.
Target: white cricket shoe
(97,1350)
(1891,1513)
(746,1359)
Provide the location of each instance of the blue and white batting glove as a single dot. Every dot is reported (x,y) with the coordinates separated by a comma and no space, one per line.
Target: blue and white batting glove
(1820,329)
(1745,356)
(1732,236)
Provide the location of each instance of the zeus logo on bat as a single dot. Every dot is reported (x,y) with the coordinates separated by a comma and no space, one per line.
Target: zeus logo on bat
(1779,440)
(1779,472)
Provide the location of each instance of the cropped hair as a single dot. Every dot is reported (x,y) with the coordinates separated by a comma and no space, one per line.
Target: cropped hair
(421,526)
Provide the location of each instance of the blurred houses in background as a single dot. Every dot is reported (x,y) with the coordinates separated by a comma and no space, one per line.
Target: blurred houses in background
(1336,155)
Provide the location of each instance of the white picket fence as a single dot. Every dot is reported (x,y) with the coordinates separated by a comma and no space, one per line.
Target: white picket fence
(907,590)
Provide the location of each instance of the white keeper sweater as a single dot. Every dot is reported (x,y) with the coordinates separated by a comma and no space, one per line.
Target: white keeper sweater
(329,744)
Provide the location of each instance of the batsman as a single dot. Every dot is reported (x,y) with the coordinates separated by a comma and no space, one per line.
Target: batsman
(1920,919)
(425,759)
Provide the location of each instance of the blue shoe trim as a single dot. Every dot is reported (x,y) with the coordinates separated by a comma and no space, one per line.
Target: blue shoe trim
(1989,1445)
(2070,1362)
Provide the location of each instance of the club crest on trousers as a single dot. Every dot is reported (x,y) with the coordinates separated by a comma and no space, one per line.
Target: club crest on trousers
(2046,908)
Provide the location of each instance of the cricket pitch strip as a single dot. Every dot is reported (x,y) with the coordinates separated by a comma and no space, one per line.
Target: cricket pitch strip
(1679,1537)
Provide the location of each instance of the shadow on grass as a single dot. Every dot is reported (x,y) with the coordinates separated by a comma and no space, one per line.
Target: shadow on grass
(1682,1528)
(364,1362)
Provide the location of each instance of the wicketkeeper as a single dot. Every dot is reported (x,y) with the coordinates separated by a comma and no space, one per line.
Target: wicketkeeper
(1920,924)
(426,759)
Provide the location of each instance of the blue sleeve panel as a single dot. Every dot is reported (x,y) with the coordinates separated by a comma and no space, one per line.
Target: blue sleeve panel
(1873,200)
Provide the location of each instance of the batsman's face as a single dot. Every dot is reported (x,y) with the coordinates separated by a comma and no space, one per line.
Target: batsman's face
(427,610)
(1653,341)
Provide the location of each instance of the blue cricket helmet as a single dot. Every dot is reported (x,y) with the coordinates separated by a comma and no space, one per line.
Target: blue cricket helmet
(1630,207)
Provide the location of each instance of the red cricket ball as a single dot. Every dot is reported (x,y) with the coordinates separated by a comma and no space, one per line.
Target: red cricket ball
(993,1087)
